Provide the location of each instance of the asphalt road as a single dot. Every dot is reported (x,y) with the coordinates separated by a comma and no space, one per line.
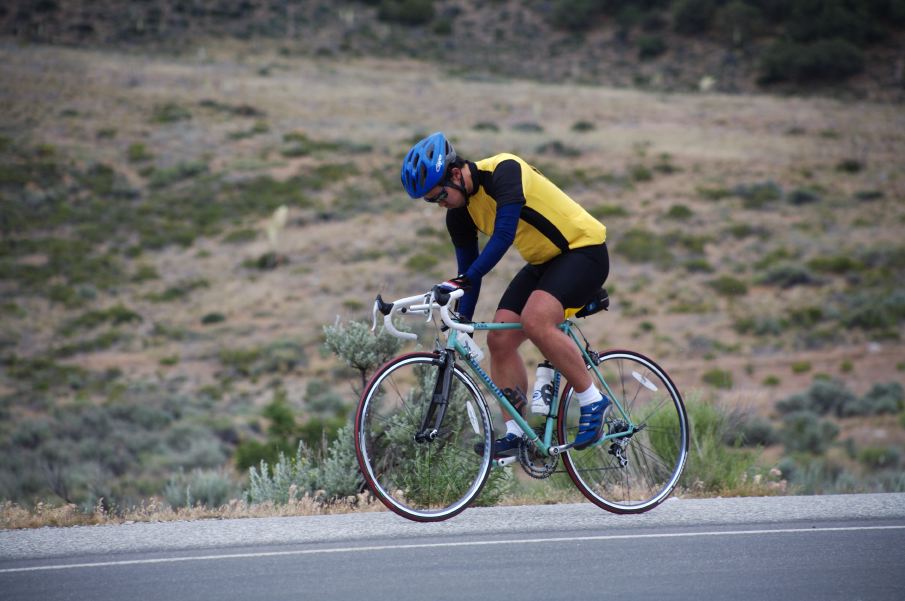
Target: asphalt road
(831,547)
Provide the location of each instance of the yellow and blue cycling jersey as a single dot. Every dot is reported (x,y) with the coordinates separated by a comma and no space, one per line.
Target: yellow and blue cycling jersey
(516,205)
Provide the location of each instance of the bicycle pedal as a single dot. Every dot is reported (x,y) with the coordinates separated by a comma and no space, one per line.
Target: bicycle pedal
(557,450)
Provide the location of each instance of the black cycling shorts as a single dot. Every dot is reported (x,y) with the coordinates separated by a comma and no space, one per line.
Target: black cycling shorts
(572,278)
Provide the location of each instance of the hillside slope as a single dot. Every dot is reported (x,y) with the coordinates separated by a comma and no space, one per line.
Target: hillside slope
(827,47)
(147,316)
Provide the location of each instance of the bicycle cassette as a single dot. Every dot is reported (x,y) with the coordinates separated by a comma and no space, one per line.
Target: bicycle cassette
(533,462)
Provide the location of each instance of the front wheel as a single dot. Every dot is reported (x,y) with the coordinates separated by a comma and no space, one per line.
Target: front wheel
(426,480)
(635,473)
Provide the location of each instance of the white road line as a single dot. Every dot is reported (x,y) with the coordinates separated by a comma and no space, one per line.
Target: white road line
(569,539)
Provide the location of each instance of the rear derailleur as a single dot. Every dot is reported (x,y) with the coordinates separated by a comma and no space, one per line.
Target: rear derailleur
(617,447)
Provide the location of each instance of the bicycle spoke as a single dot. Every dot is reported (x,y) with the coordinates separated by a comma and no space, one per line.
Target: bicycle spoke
(654,453)
(429,480)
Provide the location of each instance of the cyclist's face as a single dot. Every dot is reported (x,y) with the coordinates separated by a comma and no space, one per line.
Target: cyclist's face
(453,198)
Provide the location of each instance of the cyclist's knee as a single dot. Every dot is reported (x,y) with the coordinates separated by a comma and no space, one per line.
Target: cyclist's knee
(503,341)
(537,325)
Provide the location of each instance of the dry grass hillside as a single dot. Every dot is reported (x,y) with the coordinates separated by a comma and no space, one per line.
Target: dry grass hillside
(756,241)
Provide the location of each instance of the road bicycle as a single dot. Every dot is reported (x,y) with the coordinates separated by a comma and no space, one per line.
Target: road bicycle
(424,431)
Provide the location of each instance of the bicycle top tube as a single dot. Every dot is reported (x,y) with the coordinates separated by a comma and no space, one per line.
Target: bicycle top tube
(426,304)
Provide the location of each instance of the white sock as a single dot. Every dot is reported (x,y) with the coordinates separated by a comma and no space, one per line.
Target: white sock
(591,395)
(513,428)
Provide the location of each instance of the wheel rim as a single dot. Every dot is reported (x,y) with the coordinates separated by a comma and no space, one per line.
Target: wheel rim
(655,454)
(430,480)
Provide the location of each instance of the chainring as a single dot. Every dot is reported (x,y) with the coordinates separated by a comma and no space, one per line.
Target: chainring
(534,463)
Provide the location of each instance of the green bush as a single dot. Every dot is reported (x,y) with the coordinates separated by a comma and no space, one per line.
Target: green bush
(827,60)
(751,431)
(650,47)
(115,315)
(576,15)
(692,17)
(406,12)
(880,399)
(803,196)
(804,431)
(421,262)
(758,195)
(320,398)
(608,210)
(698,265)
(339,475)
(178,291)
(559,149)
(170,112)
(207,488)
(718,193)
(718,378)
(876,458)
(361,350)
(837,264)
(822,398)
(679,212)
(811,20)
(138,153)
(528,127)
(643,246)
(287,478)
(713,466)
(640,173)
(162,178)
(728,286)
(761,326)
(790,275)
(872,311)
(850,166)
(738,22)
(281,356)
(212,318)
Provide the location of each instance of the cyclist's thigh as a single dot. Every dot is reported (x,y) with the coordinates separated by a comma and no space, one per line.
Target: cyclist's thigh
(573,277)
(520,288)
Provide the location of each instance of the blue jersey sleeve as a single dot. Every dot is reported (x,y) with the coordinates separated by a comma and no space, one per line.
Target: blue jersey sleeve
(504,227)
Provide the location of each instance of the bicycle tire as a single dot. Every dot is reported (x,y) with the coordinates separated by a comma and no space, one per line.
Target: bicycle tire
(426,481)
(656,454)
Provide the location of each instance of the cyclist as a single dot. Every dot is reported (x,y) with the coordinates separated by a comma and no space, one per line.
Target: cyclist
(567,262)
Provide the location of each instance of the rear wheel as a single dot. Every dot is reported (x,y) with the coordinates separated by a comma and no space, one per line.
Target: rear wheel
(635,473)
(431,480)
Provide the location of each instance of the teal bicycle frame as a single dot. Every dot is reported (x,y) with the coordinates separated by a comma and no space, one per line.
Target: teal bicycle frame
(544,445)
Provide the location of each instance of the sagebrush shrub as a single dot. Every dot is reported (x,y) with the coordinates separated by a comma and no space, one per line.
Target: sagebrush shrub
(360,349)
(804,431)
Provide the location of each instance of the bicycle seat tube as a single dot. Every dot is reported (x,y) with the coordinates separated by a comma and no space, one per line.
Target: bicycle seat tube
(439,399)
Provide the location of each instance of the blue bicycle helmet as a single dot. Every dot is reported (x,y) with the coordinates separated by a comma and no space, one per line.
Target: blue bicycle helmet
(426,163)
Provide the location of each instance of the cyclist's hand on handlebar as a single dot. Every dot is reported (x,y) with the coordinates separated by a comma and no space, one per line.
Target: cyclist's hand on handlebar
(460,282)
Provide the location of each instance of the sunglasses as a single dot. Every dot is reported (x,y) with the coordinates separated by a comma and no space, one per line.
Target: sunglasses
(441,195)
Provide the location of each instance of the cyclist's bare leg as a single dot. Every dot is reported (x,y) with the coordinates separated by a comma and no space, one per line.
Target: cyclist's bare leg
(506,366)
(540,318)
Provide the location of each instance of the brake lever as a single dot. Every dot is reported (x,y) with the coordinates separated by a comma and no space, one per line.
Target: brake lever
(430,306)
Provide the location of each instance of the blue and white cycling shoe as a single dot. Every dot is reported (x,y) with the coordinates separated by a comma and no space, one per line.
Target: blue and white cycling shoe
(506,446)
(590,423)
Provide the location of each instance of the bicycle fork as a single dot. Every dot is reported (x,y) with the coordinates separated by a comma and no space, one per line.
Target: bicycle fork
(436,411)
